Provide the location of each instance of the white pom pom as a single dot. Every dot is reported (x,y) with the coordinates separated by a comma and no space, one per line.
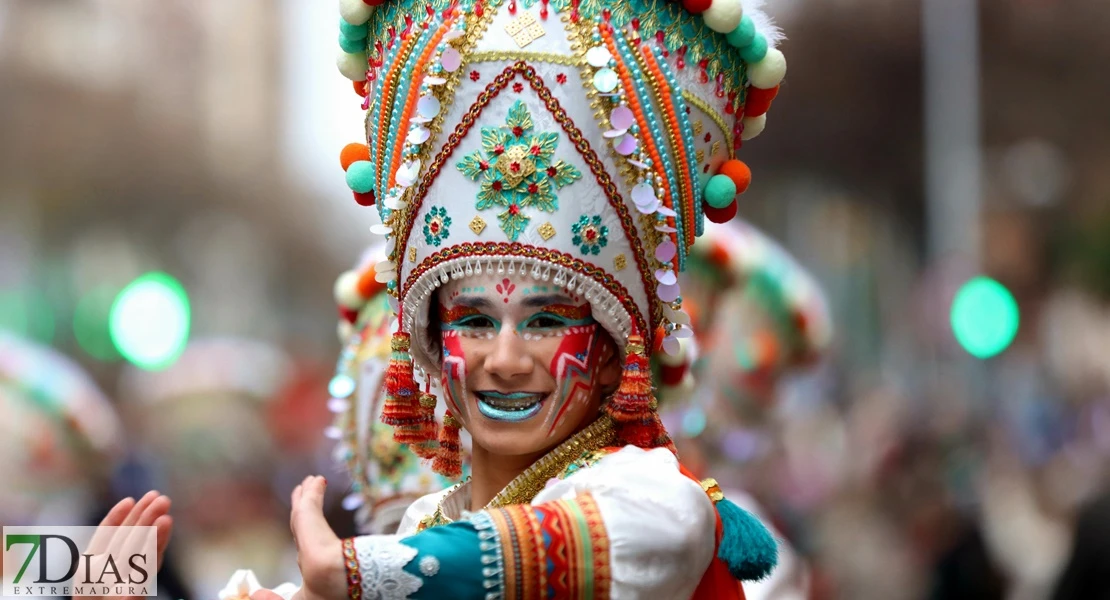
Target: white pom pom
(723,16)
(768,72)
(355,12)
(753,126)
(346,291)
(344,330)
(352,66)
(678,358)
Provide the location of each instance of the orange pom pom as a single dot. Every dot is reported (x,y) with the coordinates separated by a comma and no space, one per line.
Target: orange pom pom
(367,286)
(738,172)
(360,88)
(759,100)
(353,153)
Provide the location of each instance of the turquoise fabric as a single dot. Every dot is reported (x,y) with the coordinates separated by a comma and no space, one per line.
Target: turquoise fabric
(456,549)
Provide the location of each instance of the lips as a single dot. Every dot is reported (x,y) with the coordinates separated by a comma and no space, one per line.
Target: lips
(509,407)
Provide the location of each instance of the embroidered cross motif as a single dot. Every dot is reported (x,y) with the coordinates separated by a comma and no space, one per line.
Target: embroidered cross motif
(515,170)
(525,29)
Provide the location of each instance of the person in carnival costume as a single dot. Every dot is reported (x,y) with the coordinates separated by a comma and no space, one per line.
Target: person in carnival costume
(759,316)
(541,170)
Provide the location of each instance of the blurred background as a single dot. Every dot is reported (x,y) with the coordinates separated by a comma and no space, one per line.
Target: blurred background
(173,216)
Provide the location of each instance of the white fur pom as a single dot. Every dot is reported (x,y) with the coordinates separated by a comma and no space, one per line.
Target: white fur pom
(768,72)
(355,12)
(723,16)
(753,126)
(344,330)
(352,66)
(346,290)
(764,25)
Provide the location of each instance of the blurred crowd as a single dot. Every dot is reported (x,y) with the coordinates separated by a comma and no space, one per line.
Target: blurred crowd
(193,138)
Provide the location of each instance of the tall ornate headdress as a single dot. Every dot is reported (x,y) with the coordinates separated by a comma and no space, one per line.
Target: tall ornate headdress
(580,142)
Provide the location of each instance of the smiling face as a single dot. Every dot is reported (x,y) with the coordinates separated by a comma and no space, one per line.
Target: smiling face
(524,363)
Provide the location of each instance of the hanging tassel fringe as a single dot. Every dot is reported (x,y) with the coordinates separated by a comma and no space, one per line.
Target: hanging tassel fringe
(448,462)
(633,407)
(746,546)
(426,446)
(402,393)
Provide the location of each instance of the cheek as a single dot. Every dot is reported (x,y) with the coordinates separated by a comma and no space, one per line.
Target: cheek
(454,371)
(574,367)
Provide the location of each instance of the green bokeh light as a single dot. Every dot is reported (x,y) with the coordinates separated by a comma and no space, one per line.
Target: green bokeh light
(90,323)
(984,317)
(27,313)
(149,321)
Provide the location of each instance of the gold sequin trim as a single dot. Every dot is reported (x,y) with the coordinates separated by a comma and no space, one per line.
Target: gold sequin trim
(719,119)
(540,57)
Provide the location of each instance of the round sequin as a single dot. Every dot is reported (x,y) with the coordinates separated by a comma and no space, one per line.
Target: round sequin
(668,292)
(598,56)
(419,135)
(627,145)
(665,251)
(451,60)
(621,117)
(428,107)
(666,277)
(605,80)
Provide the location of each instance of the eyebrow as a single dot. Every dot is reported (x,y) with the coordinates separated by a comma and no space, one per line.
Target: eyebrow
(472,302)
(546,300)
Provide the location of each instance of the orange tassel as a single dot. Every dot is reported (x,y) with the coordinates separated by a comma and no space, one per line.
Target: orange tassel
(448,462)
(402,394)
(425,446)
(633,407)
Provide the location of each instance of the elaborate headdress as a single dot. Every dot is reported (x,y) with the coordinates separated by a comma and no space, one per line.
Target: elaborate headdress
(577,141)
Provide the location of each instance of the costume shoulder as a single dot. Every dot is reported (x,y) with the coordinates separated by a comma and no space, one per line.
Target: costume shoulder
(422,507)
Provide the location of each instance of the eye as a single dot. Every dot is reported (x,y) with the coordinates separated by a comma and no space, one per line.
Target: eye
(473,322)
(546,321)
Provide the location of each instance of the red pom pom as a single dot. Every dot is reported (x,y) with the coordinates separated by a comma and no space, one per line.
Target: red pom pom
(353,153)
(360,88)
(672,376)
(374,2)
(759,100)
(720,215)
(738,172)
(696,7)
(349,315)
(366,199)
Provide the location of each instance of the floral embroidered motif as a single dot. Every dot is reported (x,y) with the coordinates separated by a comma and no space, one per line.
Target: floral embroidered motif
(518,87)
(590,235)
(561,78)
(516,170)
(475,76)
(429,566)
(436,224)
(381,564)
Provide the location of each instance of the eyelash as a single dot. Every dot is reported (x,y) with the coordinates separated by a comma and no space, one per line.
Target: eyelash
(484,326)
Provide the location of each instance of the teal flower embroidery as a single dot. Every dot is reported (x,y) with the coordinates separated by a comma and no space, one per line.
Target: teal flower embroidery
(436,224)
(590,235)
(516,171)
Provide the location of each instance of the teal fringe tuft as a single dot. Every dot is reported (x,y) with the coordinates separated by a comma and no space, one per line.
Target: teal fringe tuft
(747,547)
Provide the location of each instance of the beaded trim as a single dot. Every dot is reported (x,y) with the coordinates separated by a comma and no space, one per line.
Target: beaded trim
(493,561)
(350,562)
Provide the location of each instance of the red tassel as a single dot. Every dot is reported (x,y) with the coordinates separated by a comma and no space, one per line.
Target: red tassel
(633,407)
(402,394)
(448,462)
(425,446)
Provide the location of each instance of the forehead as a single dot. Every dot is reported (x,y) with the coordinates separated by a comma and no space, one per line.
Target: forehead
(501,290)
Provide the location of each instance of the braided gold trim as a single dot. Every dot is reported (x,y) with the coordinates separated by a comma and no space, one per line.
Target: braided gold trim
(542,57)
(717,117)
(712,489)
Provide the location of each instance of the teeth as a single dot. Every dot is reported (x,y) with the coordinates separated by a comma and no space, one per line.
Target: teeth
(506,404)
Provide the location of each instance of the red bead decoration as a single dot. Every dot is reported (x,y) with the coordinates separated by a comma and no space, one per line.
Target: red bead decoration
(720,215)
(696,7)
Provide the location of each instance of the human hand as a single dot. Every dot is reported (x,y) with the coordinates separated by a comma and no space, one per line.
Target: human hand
(319,550)
(151,509)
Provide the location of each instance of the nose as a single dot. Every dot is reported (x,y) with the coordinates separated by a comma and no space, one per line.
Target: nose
(508,358)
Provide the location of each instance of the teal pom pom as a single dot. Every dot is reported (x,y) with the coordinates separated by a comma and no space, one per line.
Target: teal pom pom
(755,51)
(360,176)
(743,35)
(353,32)
(747,547)
(352,46)
(720,191)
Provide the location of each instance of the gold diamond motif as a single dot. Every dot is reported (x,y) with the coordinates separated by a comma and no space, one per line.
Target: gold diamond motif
(412,254)
(715,147)
(697,127)
(620,262)
(525,29)
(515,164)
(547,231)
(699,155)
(477,224)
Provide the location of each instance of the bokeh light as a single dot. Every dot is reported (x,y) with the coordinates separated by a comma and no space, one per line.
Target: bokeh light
(984,317)
(149,321)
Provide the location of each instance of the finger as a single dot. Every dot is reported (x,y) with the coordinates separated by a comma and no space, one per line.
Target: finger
(310,528)
(164,526)
(293,505)
(114,517)
(136,512)
(265,595)
(138,539)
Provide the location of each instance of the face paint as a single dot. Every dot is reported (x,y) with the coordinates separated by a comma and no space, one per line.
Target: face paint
(454,371)
(574,368)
